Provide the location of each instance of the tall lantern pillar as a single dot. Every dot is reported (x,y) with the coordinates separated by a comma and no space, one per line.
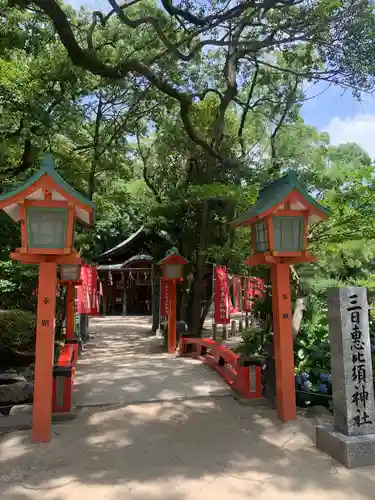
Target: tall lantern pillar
(283,342)
(70,277)
(279,229)
(172,266)
(47,209)
(69,328)
(44,352)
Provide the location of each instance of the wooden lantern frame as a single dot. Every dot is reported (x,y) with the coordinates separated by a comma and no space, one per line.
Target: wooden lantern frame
(46,190)
(282,198)
(76,282)
(173,258)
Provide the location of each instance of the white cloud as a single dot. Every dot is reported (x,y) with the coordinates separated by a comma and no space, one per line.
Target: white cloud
(359,129)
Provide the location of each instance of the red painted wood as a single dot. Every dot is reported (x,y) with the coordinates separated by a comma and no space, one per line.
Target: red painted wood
(46,251)
(23,226)
(172,338)
(69,328)
(70,227)
(283,342)
(26,258)
(271,243)
(66,355)
(67,358)
(43,382)
(279,258)
(235,375)
(289,213)
(49,203)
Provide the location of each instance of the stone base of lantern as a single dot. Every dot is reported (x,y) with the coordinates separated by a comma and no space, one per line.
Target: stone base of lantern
(351,451)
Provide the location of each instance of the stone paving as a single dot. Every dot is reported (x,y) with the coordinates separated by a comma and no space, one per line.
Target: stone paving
(181,447)
(123,363)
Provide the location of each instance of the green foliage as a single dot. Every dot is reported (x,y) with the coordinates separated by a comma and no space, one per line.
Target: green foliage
(252,341)
(120,138)
(17,285)
(17,332)
(311,346)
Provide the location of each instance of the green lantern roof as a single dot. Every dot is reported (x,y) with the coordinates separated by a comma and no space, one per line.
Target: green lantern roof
(274,193)
(47,167)
(173,256)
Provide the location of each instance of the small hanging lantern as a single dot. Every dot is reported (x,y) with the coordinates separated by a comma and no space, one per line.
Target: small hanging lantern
(69,272)
(172,265)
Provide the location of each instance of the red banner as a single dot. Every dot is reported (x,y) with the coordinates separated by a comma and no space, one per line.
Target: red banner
(87,293)
(163,298)
(254,289)
(222,297)
(237,294)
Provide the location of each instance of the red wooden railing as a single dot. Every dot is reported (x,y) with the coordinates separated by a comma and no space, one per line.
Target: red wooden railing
(63,379)
(245,380)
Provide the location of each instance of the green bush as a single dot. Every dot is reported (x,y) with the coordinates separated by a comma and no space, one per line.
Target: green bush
(17,285)
(17,331)
(252,342)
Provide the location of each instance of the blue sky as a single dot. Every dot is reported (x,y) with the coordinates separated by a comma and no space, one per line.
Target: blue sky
(334,111)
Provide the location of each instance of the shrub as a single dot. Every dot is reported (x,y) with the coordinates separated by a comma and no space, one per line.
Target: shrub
(17,331)
(253,341)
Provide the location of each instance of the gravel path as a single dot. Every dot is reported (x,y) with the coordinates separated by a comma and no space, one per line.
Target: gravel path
(195,448)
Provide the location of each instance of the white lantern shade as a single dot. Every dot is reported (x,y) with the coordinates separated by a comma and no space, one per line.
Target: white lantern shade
(173,271)
(288,234)
(46,227)
(260,236)
(70,272)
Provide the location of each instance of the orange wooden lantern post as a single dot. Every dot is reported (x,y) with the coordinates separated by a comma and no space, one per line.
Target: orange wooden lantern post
(47,208)
(279,228)
(172,272)
(70,277)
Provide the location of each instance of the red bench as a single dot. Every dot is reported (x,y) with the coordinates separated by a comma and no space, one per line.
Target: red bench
(244,378)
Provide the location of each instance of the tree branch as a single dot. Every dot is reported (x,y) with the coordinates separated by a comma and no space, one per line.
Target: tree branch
(89,61)
(96,16)
(247,108)
(125,6)
(14,133)
(96,153)
(275,163)
(145,172)
(230,74)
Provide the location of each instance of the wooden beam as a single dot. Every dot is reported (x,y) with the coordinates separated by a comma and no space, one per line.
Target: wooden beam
(49,203)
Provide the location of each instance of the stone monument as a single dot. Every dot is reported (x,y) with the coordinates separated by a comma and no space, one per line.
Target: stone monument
(351,438)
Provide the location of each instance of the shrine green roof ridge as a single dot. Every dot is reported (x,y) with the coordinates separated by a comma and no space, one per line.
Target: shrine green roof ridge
(273,193)
(47,166)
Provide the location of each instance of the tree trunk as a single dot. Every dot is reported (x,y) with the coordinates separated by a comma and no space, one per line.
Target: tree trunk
(194,320)
(205,312)
(198,284)
(298,315)
(184,301)
(96,153)
(299,305)
(155,301)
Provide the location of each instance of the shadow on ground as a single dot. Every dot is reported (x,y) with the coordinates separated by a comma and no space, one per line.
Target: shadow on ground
(176,450)
(124,363)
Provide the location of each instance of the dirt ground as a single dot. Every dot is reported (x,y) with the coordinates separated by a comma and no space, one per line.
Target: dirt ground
(157,437)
